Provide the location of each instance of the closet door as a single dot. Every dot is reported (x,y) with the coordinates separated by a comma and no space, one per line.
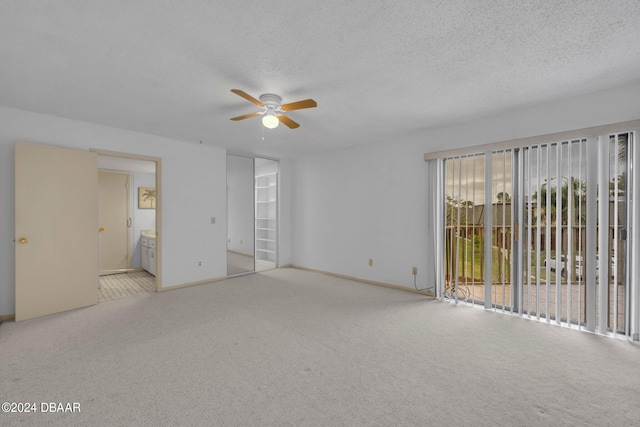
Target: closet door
(240,215)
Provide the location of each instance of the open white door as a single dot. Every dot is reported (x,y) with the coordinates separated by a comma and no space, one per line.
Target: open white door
(56,226)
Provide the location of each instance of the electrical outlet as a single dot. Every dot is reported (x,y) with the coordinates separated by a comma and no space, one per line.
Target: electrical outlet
(213,220)
(199,263)
(370,262)
(414,271)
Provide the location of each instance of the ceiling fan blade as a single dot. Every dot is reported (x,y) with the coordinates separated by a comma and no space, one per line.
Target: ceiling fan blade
(247,97)
(287,121)
(246,116)
(299,105)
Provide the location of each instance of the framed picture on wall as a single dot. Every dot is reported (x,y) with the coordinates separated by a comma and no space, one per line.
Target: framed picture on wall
(146,198)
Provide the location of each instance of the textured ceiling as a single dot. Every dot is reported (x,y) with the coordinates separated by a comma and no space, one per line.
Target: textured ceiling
(378,69)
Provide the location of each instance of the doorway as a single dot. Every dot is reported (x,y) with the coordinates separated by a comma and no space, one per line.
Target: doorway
(137,216)
(58,187)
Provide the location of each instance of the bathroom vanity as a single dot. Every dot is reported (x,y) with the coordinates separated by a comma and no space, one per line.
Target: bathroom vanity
(148,248)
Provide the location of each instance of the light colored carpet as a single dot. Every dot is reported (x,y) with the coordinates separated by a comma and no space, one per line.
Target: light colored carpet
(296,348)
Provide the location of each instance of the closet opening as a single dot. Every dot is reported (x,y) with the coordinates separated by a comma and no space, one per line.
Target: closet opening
(266,213)
(252,214)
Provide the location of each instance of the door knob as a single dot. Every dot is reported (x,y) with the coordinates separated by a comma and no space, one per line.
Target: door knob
(101,229)
(23,240)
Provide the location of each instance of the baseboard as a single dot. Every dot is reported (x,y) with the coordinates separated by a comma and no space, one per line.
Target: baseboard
(367,281)
(240,253)
(187,285)
(286,266)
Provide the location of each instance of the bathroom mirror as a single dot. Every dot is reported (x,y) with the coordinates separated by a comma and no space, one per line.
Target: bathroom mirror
(240,215)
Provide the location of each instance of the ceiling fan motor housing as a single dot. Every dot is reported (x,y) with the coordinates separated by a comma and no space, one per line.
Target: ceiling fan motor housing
(271,100)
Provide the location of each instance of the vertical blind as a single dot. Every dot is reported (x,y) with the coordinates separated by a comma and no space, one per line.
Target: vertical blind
(543,231)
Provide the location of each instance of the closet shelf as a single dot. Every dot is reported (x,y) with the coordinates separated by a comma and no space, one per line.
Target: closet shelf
(266,251)
(266,190)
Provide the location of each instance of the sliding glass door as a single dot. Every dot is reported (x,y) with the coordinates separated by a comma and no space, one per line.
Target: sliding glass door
(464,230)
(575,233)
(541,230)
(478,229)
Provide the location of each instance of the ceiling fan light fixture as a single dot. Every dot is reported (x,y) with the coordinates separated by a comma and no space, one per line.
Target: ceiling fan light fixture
(270,120)
(273,109)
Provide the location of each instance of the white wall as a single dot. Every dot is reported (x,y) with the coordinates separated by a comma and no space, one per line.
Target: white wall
(353,205)
(370,201)
(193,190)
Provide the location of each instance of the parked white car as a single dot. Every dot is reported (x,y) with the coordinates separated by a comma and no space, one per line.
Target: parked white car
(553,264)
(578,265)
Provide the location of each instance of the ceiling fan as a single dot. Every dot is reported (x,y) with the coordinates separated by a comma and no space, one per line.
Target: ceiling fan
(273,109)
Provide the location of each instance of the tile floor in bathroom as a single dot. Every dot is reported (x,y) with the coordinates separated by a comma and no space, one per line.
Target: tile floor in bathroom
(125,284)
